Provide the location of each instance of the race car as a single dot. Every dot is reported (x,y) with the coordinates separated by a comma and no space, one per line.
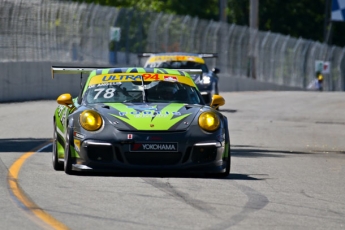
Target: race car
(207,83)
(139,120)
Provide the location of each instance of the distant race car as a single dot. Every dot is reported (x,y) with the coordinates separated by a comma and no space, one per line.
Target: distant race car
(139,119)
(207,83)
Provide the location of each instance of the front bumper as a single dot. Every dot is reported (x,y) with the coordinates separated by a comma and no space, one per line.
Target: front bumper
(194,153)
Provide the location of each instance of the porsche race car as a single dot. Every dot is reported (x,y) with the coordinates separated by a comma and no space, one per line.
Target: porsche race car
(207,82)
(139,119)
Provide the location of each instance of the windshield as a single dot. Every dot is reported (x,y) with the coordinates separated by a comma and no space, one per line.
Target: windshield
(132,92)
(178,65)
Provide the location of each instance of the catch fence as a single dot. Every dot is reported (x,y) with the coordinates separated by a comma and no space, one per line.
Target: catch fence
(65,31)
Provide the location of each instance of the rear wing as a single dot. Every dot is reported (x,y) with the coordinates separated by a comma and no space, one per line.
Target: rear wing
(202,55)
(74,70)
(87,70)
(208,55)
(140,55)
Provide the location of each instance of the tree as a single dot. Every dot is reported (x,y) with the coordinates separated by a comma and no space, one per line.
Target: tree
(294,17)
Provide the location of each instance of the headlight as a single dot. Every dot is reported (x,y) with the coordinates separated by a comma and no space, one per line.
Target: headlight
(90,120)
(206,80)
(209,121)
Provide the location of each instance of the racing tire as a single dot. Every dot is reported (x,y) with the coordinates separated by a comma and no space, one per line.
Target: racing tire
(68,158)
(58,166)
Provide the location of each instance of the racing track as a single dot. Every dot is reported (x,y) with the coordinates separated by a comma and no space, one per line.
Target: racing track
(288,170)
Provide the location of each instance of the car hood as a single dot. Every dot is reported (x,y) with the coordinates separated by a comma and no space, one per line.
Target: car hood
(149,116)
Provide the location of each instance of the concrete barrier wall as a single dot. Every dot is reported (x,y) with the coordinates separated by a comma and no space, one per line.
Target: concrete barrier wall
(26,81)
(229,84)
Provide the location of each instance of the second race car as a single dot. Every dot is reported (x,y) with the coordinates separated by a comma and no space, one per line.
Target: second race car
(207,83)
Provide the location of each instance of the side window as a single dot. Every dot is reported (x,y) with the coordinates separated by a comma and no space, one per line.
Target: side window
(204,68)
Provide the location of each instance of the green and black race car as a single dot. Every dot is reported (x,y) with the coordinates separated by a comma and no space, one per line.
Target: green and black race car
(139,119)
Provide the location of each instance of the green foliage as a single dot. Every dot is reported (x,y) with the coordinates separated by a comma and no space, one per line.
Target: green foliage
(293,17)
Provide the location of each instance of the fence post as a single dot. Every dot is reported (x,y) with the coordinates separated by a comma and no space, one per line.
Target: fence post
(342,69)
(272,59)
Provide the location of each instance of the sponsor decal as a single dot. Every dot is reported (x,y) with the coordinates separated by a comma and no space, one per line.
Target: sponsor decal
(114,79)
(175,58)
(129,136)
(145,76)
(142,107)
(62,113)
(170,78)
(148,113)
(77,145)
(109,84)
(121,78)
(154,147)
(78,135)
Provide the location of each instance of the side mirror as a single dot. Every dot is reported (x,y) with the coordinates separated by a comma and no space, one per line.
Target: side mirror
(66,100)
(215,70)
(217,101)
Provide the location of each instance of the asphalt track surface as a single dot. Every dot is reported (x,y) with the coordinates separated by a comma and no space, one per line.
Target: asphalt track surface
(288,170)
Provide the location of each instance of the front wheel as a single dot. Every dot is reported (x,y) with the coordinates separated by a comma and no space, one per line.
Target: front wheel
(68,157)
(58,166)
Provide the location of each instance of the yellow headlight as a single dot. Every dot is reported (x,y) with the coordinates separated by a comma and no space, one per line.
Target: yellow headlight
(90,120)
(209,121)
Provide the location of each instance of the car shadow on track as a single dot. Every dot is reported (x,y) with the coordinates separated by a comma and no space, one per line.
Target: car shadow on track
(227,110)
(243,151)
(232,176)
(22,144)
(247,151)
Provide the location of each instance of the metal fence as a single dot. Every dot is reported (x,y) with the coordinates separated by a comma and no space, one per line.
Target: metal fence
(64,31)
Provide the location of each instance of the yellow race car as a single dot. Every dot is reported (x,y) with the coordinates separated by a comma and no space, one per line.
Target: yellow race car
(207,83)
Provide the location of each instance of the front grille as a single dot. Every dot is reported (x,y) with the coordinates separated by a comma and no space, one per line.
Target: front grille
(100,153)
(187,155)
(204,154)
(118,154)
(153,158)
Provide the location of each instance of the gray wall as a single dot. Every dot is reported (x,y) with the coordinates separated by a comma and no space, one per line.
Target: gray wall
(230,84)
(26,81)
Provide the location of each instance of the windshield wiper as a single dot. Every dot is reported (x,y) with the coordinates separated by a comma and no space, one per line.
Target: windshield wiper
(143,92)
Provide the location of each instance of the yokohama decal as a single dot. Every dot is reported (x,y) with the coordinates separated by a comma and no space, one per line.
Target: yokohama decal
(154,147)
